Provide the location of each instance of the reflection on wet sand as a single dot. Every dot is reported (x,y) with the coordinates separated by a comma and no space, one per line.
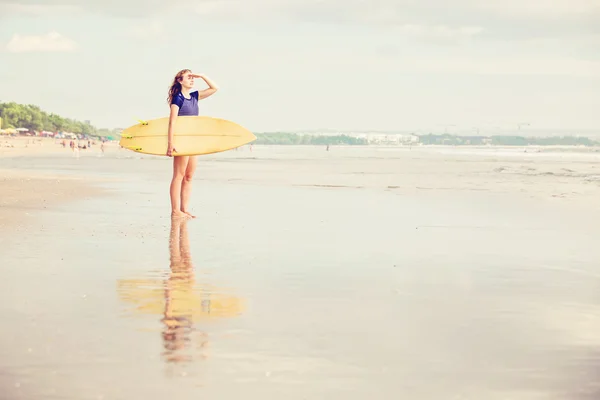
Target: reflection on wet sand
(178,290)
(180,300)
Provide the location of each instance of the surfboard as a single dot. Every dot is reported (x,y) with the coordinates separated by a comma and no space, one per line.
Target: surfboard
(193,135)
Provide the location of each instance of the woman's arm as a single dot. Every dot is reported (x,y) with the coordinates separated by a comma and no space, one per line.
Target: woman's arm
(212,87)
(172,118)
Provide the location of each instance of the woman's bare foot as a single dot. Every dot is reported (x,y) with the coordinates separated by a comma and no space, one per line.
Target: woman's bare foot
(188,214)
(179,214)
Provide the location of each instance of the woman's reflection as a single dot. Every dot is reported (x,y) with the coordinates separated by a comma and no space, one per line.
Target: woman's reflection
(183,300)
(179,304)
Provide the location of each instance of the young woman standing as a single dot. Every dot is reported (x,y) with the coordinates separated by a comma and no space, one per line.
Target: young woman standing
(183,101)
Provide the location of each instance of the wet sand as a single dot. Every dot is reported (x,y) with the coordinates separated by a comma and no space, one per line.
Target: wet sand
(23,193)
(358,273)
(33,189)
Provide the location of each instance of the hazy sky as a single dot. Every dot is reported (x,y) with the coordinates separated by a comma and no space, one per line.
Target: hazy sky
(309,64)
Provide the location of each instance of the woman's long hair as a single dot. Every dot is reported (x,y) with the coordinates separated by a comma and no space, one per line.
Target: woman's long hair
(176,85)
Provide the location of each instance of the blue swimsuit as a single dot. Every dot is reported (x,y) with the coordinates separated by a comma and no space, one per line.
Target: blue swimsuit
(186,106)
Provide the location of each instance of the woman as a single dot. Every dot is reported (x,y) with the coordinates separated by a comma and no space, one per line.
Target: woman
(183,100)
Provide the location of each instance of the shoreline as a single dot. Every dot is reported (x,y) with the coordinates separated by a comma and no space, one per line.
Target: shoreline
(33,146)
(568,178)
(27,145)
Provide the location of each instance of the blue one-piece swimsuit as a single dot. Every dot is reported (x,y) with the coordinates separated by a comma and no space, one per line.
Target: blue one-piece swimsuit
(186,106)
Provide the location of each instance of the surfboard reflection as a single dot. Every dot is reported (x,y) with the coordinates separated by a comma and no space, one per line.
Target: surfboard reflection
(183,303)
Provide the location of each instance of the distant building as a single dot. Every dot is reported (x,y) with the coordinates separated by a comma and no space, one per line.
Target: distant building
(377,138)
(390,139)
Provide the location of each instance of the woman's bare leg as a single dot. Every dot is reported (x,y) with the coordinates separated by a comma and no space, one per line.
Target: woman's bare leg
(186,187)
(180,164)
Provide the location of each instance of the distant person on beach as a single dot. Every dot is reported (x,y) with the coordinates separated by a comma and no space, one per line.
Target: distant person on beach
(183,101)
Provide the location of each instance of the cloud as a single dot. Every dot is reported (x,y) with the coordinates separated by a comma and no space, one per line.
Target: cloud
(439,31)
(147,29)
(480,65)
(506,20)
(50,42)
(541,8)
(358,10)
(35,9)
(127,8)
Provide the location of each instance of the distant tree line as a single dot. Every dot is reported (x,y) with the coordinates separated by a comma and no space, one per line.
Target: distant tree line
(284,138)
(29,116)
(453,140)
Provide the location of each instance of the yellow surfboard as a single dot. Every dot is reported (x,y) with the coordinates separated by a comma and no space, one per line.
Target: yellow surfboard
(193,135)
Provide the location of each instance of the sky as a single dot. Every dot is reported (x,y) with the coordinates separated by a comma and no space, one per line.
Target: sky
(392,65)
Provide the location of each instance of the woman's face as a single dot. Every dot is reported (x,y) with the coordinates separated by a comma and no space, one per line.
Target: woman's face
(187,80)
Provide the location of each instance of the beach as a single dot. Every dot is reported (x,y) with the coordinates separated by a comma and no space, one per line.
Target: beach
(37,189)
(359,272)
